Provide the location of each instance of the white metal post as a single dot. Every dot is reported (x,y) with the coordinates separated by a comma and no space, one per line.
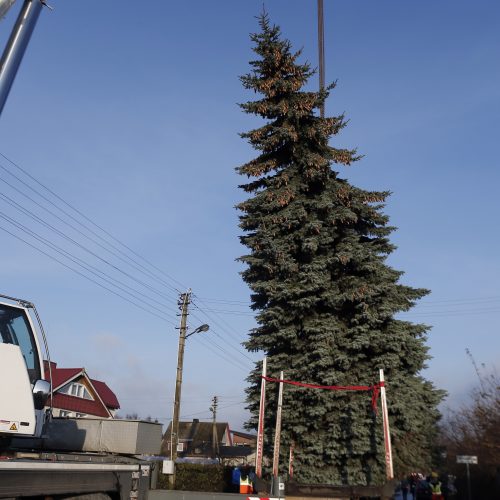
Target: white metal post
(260,429)
(387,435)
(469,496)
(277,435)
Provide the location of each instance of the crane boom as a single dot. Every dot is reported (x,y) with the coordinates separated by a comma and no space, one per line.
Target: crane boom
(5,5)
(17,43)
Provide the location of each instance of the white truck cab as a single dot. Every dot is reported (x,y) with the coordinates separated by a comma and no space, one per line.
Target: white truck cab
(23,389)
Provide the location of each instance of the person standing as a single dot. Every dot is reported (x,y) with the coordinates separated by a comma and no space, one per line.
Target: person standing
(245,483)
(413,484)
(235,479)
(423,490)
(405,487)
(436,487)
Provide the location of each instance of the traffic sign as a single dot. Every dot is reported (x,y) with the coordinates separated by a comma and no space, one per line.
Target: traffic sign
(466,459)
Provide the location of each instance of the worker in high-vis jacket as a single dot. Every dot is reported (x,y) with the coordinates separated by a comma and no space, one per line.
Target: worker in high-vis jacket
(436,487)
(245,481)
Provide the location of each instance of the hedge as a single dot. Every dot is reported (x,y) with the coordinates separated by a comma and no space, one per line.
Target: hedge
(199,477)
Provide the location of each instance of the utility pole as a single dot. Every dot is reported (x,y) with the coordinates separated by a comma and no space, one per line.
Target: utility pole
(184,301)
(215,438)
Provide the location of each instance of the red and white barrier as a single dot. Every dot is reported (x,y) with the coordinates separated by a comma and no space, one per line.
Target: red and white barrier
(265,498)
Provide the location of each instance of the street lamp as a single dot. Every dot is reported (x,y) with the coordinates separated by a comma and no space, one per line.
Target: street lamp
(200,329)
(174,435)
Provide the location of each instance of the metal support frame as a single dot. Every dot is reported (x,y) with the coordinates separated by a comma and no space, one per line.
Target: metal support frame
(277,434)
(260,429)
(387,433)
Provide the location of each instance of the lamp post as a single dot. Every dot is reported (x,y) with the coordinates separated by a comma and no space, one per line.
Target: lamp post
(183,335)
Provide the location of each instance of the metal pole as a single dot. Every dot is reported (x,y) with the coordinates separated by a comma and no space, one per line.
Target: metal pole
(277,435)
(16,46)
(5,5)
(260,429)
(321,52)
(469,493)
(387,435)
(174,436)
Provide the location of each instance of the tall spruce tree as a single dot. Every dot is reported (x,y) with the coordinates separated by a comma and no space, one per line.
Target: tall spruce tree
(325,297)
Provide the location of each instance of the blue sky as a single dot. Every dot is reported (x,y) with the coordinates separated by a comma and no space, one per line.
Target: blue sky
(129,112)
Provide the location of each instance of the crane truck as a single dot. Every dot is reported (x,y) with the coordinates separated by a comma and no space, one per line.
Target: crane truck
(42,456)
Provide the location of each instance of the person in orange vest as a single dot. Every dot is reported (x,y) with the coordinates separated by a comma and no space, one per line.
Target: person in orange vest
(245,482)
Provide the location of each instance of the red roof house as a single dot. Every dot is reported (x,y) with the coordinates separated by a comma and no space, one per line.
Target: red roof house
(75,394)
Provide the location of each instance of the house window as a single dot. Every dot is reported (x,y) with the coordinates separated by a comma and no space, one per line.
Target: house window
(81,415)
(64,413)
(77,390)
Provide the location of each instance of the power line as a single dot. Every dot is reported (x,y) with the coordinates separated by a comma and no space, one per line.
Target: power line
(184,399)
(19,226)
(225,311)
(83,275)
(458,302)
(225,301)
(239,351)
(40,221)
(442,314)
(223,354)
(139,268)
(430,307)
(208,411)
(229,330)
(76,210)
(89,268)
(202,412)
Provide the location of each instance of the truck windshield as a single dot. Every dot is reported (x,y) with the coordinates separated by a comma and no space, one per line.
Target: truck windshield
(15,329)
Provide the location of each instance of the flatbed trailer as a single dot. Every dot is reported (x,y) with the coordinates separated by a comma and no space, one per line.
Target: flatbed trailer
(70,475)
